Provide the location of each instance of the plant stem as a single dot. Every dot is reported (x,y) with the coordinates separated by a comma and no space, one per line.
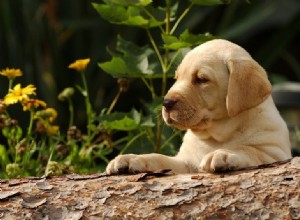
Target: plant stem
(131,141)
(159,126)
(168,24)
(164,64)
(29,152)
(84,84)
(156,50)
(181,17)
(173,60)
(10,83)
(112,105)
(50,157)
(89,112)
(150,87)
(30,124)
(71,111)
(170,139)
(151,16)
(168,16)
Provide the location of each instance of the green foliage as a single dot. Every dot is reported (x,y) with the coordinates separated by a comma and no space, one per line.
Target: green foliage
(184,40)
(210,2)
(129,60)
(3,156)
(39,151)
(148,63)
(129,13)
(125,121)
(12,133)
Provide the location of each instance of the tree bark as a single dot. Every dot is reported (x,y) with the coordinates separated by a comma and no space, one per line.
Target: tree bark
(265,192)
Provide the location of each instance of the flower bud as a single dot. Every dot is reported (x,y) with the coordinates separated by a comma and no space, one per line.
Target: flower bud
(62,150)
(66,94)
(123,84)
(74,133)
(21,147)
(13,170)
(11,122)
(80,65)
(55,169)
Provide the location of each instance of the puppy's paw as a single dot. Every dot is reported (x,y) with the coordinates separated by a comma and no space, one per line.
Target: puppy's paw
(220,161)
(128,163)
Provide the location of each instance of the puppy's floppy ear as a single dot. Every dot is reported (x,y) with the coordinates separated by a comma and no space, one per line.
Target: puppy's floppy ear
(248,85)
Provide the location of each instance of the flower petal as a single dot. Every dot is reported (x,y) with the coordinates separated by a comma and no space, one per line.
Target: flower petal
(80,65)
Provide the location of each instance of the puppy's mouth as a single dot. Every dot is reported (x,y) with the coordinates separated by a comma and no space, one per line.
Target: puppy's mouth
(182,122)
(167,118)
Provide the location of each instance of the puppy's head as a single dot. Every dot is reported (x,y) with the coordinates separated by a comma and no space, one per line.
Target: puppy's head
(216,80)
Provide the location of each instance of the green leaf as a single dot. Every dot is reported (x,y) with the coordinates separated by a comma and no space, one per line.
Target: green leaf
(12,133)
(137,116)
(127,15)
(120,15)
(5,132)
(125,121)
(129,2)
(129,60)
(169,39)
(3,156)
(186,39)
(210,2)
(147,122)
(124,124)
(73,154)
(115,67)
(81,90)
(118,121)
(112,14)
(175,45)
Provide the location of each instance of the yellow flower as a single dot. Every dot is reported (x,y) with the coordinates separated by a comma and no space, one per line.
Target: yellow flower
(11,73)
(18,94)
(52,130)
(53,114)
(48,114)
(44,127)
(79,65)
(32,103)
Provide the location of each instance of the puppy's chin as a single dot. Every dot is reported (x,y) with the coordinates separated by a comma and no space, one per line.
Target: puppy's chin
(191,123)
(170,121)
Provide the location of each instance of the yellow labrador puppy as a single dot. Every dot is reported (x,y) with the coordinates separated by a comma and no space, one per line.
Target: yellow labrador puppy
(222,98)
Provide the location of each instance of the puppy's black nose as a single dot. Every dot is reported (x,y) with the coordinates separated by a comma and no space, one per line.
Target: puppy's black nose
(169,104)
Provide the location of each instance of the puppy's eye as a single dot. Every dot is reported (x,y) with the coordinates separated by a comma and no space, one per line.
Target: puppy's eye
(201,80)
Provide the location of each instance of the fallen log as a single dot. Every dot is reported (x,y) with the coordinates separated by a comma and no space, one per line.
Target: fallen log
(265,192)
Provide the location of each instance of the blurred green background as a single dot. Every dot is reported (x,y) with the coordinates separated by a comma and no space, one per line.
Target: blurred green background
(43,37)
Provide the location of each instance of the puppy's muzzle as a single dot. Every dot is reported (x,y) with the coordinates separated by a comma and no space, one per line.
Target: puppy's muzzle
(169,104)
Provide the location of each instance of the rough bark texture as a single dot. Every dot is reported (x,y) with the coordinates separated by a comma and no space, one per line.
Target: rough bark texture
(266,192)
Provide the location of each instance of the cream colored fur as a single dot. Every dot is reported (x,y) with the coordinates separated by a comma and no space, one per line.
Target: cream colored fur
(222,98)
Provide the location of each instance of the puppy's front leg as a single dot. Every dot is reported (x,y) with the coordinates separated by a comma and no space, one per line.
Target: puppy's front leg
(225,160)
(132,163)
